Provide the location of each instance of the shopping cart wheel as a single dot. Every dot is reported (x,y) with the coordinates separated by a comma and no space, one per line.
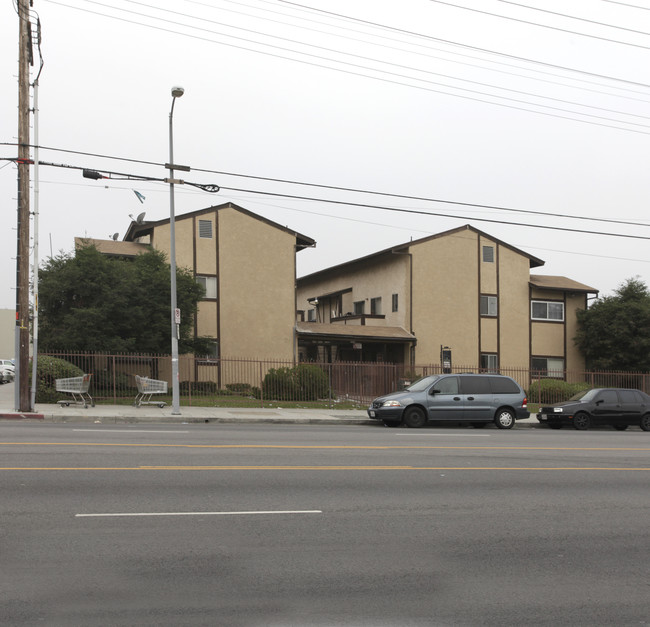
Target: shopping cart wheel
(92,404)
(161,405)
(85,406)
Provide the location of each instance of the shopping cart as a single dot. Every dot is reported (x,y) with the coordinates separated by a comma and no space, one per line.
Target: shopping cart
(147,388)
(78,388)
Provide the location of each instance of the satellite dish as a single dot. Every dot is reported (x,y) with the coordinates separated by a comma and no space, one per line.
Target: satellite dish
(115,236)
(140,218)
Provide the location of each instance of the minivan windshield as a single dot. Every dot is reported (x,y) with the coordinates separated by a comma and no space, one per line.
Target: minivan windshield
(423,383)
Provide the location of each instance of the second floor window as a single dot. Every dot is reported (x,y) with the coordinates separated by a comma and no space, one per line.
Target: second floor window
(359,308)
(395,301)
(488,306)
(209,284)
(546,310)
(375,306)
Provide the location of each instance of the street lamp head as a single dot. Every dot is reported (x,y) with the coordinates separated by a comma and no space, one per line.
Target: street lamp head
(177,92)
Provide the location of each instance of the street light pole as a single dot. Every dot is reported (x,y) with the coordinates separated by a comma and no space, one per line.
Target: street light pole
(177,92)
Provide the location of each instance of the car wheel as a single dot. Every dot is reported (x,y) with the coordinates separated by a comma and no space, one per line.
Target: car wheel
(645,422)
(392,423)
(620,427)
(504,419)
(555,425)
(582,421)
(415,418)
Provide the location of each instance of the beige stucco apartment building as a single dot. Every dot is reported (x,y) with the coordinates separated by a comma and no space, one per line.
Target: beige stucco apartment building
(247,265)
(462,294)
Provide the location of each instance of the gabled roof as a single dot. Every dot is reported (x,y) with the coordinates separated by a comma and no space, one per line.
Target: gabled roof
(111,247)
(560,283)
(401,248)
(138,230)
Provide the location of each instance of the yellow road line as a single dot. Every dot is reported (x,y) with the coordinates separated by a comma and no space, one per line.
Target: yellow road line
(329,447)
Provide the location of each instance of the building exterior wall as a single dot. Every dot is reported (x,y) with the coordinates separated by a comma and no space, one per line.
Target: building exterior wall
(445,297)
(514,309)
(256,287)
(378,279)
(443,279)
(253,263)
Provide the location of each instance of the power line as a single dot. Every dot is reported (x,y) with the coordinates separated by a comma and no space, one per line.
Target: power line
(322,186)
(562,30)
(453,43)
(412,35)
(369,205)
(572,17)
(556,112)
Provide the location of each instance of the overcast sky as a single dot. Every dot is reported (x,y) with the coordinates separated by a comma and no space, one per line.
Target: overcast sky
(535,111)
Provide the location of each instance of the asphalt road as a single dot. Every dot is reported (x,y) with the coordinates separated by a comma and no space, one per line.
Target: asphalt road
(307,525)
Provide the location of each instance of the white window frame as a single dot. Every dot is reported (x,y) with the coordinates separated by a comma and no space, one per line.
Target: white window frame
(549,305)
(491,305)
(554,367)
(492,364)
(209,284)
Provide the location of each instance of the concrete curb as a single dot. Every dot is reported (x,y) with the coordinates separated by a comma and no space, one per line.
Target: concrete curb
(120,414)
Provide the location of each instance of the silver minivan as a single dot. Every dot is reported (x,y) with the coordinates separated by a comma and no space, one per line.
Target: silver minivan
(477,399)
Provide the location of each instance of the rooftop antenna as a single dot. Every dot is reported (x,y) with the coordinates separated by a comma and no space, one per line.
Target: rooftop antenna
(115,236)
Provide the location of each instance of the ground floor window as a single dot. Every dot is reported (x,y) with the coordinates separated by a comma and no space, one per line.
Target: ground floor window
(548,366)
(489,362)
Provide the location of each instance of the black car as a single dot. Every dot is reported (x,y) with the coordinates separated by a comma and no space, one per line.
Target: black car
(616,407)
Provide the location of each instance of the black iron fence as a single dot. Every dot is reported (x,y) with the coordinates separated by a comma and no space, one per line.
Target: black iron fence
(253,382)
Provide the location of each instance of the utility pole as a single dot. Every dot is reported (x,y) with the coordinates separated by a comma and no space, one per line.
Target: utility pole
(22,396)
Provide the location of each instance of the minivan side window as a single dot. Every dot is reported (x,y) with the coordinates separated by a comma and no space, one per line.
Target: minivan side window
(447,385)
(476,385)
(503,385)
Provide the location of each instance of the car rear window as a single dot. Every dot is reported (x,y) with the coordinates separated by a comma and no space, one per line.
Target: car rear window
(475,385)
(503,385)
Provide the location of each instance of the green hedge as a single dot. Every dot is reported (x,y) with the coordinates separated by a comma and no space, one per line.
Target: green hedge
(198,387)
(553,390)
(48,370)
(301,383)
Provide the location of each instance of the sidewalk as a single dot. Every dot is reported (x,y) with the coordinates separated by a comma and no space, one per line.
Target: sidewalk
(122,414)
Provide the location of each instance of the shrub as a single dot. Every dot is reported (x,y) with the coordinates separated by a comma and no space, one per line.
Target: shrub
(302,383)
(312,382)
(48,370)
(103,380)
(548,391)
(241,389)
(198,387)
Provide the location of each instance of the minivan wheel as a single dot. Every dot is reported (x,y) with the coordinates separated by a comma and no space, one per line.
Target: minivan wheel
(504,419)
(582,421)
(645,422)
(414,418)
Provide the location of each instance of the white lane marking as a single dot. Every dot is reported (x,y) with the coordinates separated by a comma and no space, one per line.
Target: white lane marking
(447,435)
(298,511)
(127,431)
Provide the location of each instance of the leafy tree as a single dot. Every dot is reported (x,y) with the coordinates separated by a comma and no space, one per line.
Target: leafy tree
(92,302)
(614,333)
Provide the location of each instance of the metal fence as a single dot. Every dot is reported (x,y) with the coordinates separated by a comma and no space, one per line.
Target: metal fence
(251,382)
